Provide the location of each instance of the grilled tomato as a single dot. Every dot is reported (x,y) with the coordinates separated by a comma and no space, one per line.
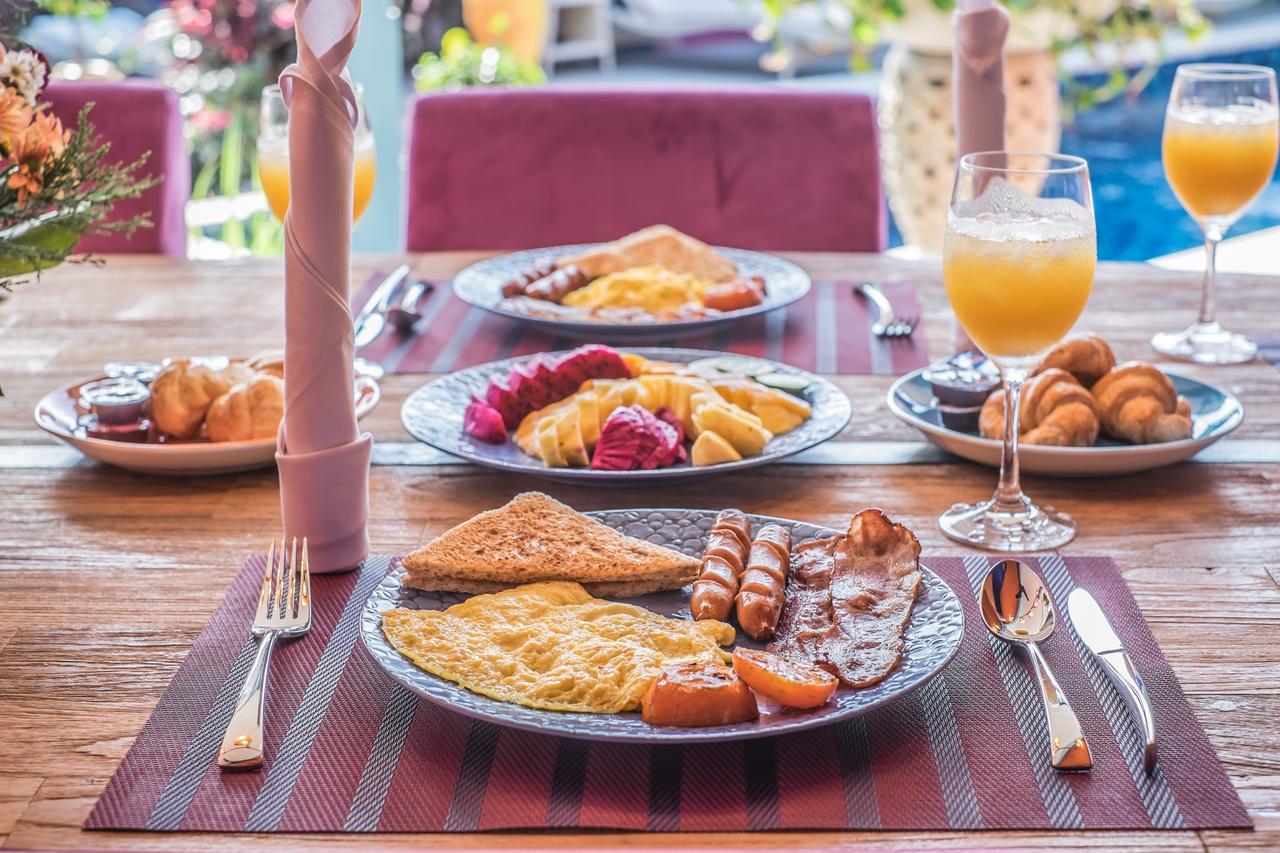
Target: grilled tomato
(698,694)
(786,682)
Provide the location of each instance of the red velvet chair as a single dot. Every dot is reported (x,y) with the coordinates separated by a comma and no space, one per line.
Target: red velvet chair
(136,117)
(758,168)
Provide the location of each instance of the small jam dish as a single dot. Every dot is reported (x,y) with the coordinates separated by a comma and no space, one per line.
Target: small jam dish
(964,380)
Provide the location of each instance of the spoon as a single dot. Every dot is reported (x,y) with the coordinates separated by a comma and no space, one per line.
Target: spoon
(1016,608)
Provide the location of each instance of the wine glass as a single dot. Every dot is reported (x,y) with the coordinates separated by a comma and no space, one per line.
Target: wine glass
(1018,262)
(1220,140)
(273,171)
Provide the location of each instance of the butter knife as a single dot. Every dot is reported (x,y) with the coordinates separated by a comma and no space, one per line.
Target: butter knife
(1091,624)
(372,318)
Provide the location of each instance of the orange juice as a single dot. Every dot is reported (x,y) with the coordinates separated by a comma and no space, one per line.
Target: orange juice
(1018,285)
(273,174)
(1218,159)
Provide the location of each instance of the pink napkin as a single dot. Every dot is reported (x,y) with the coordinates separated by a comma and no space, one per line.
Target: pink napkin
(978,72)
(322,457)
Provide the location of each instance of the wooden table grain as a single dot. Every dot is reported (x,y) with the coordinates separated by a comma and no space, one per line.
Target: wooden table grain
(109,576)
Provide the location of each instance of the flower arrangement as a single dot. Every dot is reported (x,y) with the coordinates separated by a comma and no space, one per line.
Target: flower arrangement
(54,183)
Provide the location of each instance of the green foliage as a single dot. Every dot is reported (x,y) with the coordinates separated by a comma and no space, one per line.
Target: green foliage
(1131,23)
(95,9)
(461,62)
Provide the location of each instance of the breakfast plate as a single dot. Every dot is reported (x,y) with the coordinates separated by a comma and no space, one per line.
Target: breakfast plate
(932,638)
(434,414)
(58,413)
(481,285)
(1215,413)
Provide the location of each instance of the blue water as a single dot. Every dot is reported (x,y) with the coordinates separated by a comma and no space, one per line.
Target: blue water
(1137,215)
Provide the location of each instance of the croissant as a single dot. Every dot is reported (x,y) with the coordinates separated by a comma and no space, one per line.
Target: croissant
(182,393)
(1055,409)
(1139,404)
(1086,357)
(250,410)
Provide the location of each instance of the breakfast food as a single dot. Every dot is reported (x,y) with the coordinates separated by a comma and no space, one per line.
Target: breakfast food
(1078,392)
(698,694)
(760,591)
(1055,410)
(185,389)
(1138,403)
(553,646)
(655,275)
(849,598)
(537,538)
(249,410)
(723,560)
(787,682)
(618,411)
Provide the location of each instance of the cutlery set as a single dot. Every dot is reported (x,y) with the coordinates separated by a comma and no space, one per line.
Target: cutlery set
(395,302)
(888,323)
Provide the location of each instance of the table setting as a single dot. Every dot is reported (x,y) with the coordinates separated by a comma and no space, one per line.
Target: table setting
(648,541)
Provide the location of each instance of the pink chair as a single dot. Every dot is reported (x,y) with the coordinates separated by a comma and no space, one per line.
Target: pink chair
(758,168)
(136,117)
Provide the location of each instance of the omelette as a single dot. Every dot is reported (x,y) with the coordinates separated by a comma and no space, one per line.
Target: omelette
(550,645)
(651,289)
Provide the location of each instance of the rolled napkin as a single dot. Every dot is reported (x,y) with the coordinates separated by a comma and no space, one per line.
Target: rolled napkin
(322,457)
(978,76)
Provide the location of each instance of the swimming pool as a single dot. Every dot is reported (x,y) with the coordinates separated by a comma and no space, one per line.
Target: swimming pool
(1138,217)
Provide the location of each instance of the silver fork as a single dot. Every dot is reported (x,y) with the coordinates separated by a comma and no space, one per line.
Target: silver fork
(284,610)
(888,324)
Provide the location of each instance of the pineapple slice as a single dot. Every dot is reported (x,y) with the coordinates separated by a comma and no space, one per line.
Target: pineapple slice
(588,403)
(658,390)
(569,438)
(635,362)
(548,443)
(740,428)
(711,448)
(776,419)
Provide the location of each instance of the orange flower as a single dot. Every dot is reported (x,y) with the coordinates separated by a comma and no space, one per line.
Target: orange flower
(26,181)
(41,141)
(15,115)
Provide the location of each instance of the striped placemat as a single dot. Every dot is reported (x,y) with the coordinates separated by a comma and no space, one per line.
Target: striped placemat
(348,750)
(827,332)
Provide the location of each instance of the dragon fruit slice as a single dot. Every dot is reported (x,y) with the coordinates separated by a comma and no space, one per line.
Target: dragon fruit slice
(508,406)
(662,413)
(484,422)
(631,437)
(593,361)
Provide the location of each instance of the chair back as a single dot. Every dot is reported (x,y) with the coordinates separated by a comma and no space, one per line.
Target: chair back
(758,168)
(136,117)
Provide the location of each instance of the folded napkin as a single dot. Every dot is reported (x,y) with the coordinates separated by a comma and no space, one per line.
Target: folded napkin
(323,459)
(978,76)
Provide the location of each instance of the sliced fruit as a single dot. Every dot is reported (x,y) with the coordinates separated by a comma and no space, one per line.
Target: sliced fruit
(484,423)
(658,389)
(549,444)
(786,682)
(712,449)
(739,428)
(777,419)
(588,403)
(789,383)
(737,365)
(569,437)
(634,362)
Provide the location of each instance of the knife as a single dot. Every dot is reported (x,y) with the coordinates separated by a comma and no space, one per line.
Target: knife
(1091,624)
(372,318)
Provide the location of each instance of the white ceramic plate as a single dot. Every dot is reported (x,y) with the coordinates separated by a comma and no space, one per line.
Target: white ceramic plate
(57,414)
(481,285)
(433,415)
(1215,413)
(932,638)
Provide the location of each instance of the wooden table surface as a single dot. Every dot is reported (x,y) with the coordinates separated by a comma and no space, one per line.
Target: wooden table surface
(109,576)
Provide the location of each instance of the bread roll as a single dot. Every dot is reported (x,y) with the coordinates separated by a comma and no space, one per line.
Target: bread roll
(184,390)
(248,411)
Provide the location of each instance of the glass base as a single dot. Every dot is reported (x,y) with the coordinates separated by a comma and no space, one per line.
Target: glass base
(365,367)
(1205,343)
(984,525)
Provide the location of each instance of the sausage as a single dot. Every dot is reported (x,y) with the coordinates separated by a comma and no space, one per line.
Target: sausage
(762,584)
(733,295)
(722,563)
(518,285)
(555,286)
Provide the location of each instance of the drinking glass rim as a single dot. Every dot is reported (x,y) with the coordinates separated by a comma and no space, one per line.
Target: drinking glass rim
(1077,164)
(1225,71)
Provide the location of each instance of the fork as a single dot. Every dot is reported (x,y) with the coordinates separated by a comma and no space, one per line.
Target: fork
(284,611)
(888,324)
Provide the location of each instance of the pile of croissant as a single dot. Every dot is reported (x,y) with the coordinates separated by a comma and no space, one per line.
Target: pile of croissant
(1078,391)
(242,401)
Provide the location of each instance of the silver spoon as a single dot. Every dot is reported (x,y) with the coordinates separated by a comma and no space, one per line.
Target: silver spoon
(1016,608)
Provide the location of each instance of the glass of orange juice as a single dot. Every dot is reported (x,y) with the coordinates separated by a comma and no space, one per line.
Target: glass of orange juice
(273,154)
(1220,141)
(1018,262)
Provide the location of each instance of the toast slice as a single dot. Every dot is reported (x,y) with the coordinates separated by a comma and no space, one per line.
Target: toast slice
(657,245)
(537,538)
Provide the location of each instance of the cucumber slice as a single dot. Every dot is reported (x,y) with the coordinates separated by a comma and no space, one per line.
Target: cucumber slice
(733,365)
(788,382)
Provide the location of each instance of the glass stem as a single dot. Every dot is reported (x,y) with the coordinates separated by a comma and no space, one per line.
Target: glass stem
(1212,237)
(1009,497)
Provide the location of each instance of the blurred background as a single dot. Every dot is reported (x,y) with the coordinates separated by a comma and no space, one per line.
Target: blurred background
(1089,78)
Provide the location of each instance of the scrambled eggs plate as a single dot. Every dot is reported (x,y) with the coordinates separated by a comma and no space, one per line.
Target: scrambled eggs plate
(651,289)
(551,645)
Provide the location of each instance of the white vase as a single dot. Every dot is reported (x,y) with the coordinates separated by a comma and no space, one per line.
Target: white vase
(917,137)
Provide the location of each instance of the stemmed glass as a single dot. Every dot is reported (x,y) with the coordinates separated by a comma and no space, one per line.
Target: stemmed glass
(1018,262)
(1220,139)
(273,171)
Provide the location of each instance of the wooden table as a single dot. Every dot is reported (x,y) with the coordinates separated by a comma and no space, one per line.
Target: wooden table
(108,576)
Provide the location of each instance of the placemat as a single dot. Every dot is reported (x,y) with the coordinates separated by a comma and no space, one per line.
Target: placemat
(348,750)
(829,331)
(1269,348)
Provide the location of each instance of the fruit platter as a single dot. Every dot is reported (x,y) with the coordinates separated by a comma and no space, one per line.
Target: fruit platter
(599,414)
